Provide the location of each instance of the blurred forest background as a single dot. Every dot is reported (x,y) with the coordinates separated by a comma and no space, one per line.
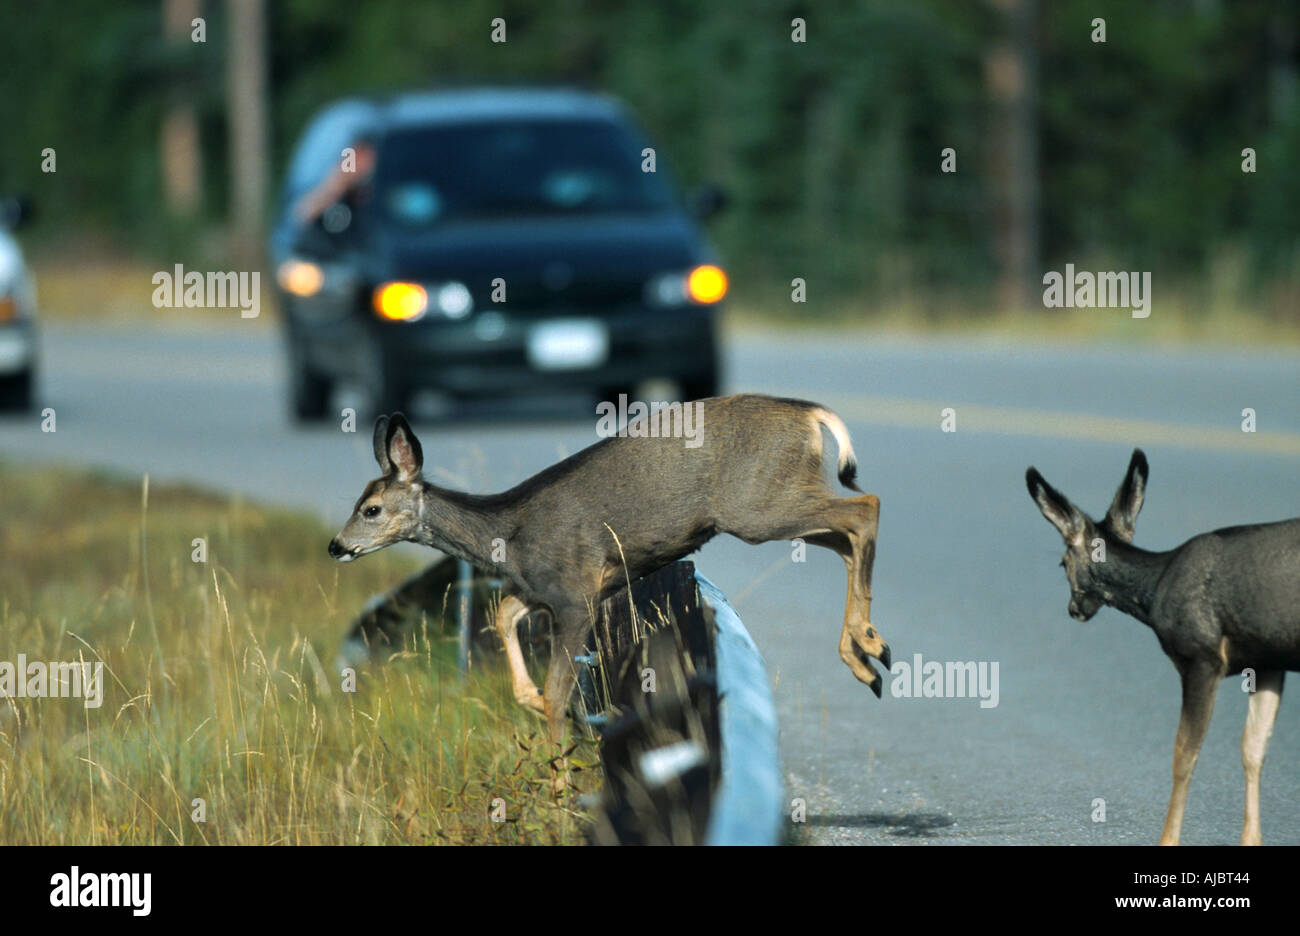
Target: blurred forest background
(1122,155)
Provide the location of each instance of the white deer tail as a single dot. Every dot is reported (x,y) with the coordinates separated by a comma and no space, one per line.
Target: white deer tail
(847,466)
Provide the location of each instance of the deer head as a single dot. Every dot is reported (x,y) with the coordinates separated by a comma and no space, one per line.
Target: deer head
(1079,531)
(388,510)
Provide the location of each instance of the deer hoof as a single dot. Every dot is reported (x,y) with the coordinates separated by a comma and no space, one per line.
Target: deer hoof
(859,663)
(531,700)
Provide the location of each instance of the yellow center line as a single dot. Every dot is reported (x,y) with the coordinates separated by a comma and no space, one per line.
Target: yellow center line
(1051,424)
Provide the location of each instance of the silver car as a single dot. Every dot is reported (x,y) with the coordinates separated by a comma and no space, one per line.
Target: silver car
(17,314)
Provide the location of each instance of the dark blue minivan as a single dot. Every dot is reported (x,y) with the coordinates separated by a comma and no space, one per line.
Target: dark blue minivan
(490,242)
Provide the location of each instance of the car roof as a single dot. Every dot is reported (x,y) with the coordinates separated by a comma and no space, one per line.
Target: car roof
(495,103)
(461,105)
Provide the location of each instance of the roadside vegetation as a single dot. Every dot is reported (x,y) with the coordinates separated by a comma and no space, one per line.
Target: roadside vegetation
(1181,316)
(99,286)
(220,686)
(1216,310)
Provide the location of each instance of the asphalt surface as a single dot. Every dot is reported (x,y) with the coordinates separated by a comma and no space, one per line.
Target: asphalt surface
(966,568)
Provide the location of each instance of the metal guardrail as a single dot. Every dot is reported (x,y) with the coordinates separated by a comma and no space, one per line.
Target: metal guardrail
(694,760)
(748,803)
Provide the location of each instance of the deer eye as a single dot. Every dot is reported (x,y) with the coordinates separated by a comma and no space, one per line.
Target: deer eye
(371,512)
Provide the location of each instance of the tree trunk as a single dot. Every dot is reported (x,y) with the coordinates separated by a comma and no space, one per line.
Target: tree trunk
(1011,76)
(247,107)
(182,157)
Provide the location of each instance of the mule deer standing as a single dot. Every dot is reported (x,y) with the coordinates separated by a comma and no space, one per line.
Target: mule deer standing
(619,509)
(1220,603)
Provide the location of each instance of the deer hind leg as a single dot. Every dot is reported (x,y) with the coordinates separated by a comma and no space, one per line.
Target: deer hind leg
(1200,685)
(853,523)
(511,611)
(568,635)
(1254,743)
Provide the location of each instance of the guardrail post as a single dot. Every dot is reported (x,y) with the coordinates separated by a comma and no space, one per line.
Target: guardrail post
(465,615)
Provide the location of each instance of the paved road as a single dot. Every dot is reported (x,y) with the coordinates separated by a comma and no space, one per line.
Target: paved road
(966,569)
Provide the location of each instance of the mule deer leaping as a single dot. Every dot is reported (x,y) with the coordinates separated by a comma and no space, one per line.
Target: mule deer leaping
(579,530)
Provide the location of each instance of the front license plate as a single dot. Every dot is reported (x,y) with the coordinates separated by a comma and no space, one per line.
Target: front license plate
(568,344)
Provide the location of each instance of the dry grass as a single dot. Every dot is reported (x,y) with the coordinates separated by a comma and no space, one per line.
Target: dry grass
(1219,305)
(1172,323)
(220,686)
(104,289)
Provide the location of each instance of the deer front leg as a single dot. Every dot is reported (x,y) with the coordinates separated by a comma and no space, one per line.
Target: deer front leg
(511,611)
(1200,685)
(1264,703)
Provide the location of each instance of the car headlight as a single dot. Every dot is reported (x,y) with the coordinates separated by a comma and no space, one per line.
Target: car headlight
(17,292)
(454,300)
(701,285)
(407,302)
(706,284)
(300,277)
(401,302)
(17,299)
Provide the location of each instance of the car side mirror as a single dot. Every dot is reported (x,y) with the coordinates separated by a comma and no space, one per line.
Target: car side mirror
(311,241)
(326,234)
(15,211)
(336,220)
(708,200)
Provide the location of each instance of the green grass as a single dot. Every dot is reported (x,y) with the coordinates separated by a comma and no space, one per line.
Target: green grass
(220,685)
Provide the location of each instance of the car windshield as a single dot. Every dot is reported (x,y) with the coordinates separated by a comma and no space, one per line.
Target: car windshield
(480,170)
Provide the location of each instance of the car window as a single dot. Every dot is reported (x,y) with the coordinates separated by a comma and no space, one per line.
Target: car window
(321,148)
(470,170)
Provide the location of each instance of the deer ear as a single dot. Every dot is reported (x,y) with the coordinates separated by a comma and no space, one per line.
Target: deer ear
(1056,507)
(1121,518)
(381,444)
(404,449)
